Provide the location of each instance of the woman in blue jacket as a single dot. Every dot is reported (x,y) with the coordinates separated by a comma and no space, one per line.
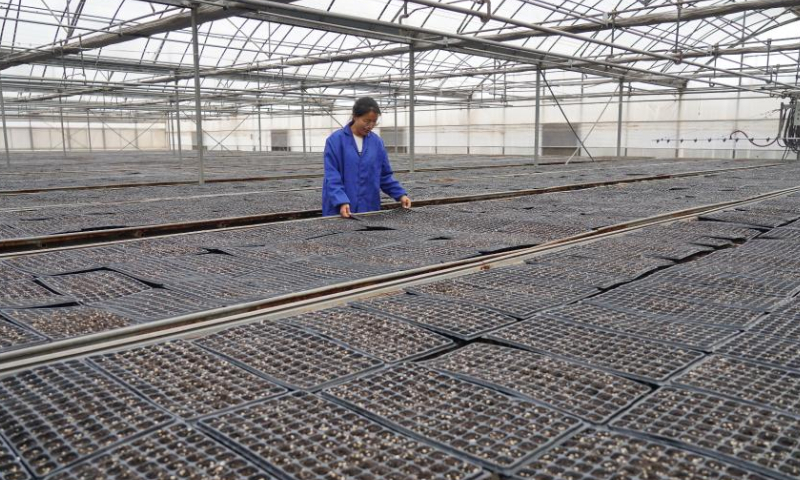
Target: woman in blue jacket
(357,166)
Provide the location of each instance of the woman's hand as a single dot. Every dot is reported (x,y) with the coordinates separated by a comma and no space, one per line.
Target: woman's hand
(344,210)
(405,201)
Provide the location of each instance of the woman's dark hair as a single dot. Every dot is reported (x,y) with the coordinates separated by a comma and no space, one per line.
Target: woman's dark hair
(364,105)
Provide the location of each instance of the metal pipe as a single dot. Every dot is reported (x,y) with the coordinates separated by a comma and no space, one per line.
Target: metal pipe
(260,148)
(396,141)
(61,119)
(678,126)
(619,120)
(30,131)
(469,122)
(537,118)
(303,118)
(88,131)
(5,129)
(411,101)
(178,122)
(197,103)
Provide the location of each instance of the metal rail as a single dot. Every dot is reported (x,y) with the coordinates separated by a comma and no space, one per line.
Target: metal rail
(97,237)
(325,297)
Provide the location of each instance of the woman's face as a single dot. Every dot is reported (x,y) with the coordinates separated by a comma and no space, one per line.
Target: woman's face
(365,123)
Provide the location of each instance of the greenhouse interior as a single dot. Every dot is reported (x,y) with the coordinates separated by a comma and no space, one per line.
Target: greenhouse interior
(400,239)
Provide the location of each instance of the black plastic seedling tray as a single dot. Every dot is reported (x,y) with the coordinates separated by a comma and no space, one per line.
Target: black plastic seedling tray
(378,335)
(650,304)
(13,336)
(759,438)
(302,435)
(156,304)
(770,387)
(462,320)
(472,421)
(782,323)
(177,451)
(185,379)
(289,355)
(95,286)
(599,454)
(29,293)
(11,467)
(56,415)
(67,322)
(216,290)
(519,280)
(514,304)
(707,295)
(763,349)
(692,335)
(625,355)
(590,394)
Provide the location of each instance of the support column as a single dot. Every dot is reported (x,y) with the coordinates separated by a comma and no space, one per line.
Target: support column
(30,129)
(469,122)
(435,126)
(303,117)
(88,131)
(178,122)
(411,101)
(260,148)
(537,117)
(197,103)
(61,119)
(170,131)
(5,128)
(678,125)
(135,134)
(396,140)
(103,133)
(619,119)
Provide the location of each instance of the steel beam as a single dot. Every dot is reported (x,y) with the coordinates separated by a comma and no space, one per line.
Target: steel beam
(201,14)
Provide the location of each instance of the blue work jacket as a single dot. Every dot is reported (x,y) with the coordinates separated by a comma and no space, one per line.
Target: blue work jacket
(356,179)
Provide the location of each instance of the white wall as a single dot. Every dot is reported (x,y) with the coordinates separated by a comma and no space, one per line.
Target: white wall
(652,126)
(41,135)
